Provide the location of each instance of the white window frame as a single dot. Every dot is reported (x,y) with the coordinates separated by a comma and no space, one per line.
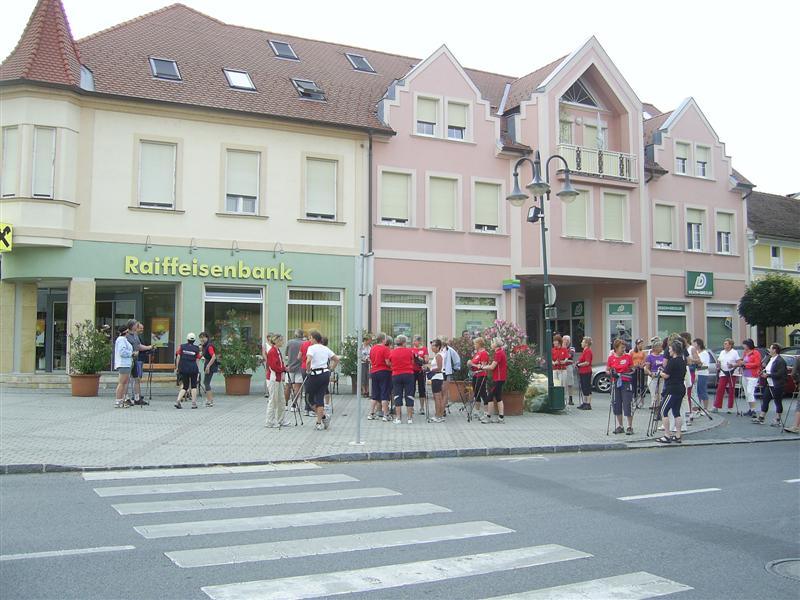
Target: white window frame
(154,71)
(10,178)
(589,217)
(731,234)
(351,55)
(688,313)
(337,187)
(716,304)
(250,88)
(605,342)
(52,164)
(429,294)
(160,206)
(237,299)
(775,262)
(439,125)
(277,54)
(626,224)
(412,200)
(569,120)
(459,216)
(708,170)
(675,236)
(501,207)
(467,104)
(240,199)
(340,303)
(475,293)
(703,228)
(689,159)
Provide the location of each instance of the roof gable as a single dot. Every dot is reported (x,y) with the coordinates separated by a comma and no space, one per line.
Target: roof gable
(46,51)
(685,106)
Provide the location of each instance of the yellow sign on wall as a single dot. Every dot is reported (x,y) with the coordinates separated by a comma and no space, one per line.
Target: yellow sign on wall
(6,237)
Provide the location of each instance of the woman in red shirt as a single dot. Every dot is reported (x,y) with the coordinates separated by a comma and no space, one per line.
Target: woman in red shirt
(584,365)
(559,355)
(620,367)
(275,371)
(476,364)
(380,376)
(401,360)
(499,369)
(420,351)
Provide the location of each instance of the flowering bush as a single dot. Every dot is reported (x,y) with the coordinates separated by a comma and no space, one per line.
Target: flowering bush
(523,361)
(511,334)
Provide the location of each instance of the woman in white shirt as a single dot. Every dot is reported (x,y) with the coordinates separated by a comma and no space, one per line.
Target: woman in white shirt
(320,360)
(123,357)
(435,372)
(727,361)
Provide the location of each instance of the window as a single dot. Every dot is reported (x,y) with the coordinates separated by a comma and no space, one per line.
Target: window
(724,233)
(456,121)
(319,309)
(664,217)
(44,156)
(575,216)
(442,202)
(427,116)
(241,182)
(239,80)
(395,198)
(157,164)
(359,63)
(405,313)
(578,94)
(321,188)
(222,304)
(671,318)
(776,261)
(591,139)
(702,156)
(164,68)
(719,324)
(614,216)
(695,219)
(681,158)
(564,132)
(474,313)
(487,206)
(283,50)
(10,166)
(308,89)
(87,79)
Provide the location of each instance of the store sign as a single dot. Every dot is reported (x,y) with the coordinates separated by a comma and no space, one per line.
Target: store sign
(699,283)
(620,309)
(6,237)
(578,310)
(172,265)
(664,307)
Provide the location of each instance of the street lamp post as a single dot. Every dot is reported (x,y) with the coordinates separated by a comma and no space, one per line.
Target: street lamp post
(540,188)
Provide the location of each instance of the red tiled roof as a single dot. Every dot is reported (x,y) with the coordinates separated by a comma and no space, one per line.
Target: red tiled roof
(46,51)
(523,87)
(650,109)
(652,125)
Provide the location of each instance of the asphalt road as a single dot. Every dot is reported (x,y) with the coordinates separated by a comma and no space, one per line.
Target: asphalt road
(537,522)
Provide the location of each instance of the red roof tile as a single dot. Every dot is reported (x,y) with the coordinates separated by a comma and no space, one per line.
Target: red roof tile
(653,125)
(523,87)
(46,51)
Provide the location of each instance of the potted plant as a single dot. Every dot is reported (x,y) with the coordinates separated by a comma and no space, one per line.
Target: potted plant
(89,353)
(239,357)
(522,362)
(349,360)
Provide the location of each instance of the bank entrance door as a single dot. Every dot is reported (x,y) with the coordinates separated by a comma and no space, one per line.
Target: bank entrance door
(115,313)
(51,330)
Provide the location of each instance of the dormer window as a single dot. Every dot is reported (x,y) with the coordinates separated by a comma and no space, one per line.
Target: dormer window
(308,89)
(87,79)
(283,50)
(578,94)
(163,68)
(239,80)
(359,63)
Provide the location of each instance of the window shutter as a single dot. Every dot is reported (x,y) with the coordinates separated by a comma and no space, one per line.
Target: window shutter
(589,136)
(487,200)
(10,171)
(456,115)
(682,150)
(242,176)
(613,216)
(43,161)
(442,203)
(694,215)
(702,154)
(395,188)
(321,187)
(663,224)
(427,110)
(725,222)
(576,225)
(157,174)
(565,132)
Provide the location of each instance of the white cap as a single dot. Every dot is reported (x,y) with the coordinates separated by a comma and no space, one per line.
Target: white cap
(191,337)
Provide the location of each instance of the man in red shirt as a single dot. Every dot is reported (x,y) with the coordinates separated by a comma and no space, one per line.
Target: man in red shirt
(476,364)
(402,363)
(499,369)
(303,350)
(380,376)
(420,351)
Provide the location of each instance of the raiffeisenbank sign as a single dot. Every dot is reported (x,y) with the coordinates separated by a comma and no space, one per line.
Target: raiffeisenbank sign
(175,267)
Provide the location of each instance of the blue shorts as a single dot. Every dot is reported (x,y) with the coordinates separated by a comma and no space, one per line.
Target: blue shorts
(701,385)
(403,389)
(381,385)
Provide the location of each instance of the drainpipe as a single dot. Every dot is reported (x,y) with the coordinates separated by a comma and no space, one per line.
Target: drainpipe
(369,225)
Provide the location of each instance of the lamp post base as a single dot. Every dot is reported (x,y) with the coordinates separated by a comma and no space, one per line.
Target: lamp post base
(555,399)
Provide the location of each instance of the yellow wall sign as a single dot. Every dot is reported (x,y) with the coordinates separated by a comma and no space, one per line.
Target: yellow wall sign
(172,265)
(6,237)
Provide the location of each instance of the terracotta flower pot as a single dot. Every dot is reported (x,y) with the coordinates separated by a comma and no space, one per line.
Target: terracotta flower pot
(237,385)
(512,403)
(85,385)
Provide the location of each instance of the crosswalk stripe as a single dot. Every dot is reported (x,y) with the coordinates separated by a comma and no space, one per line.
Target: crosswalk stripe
(211,486)
(227,555)
(188,472)
(142,508)
(283,521)
(391,576)
(633,586)
(667,494)
(57,553)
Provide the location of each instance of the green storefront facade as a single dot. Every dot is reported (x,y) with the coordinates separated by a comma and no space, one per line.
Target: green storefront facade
(172,291)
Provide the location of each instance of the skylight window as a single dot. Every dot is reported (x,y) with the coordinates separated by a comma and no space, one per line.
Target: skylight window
(283,50)
(359,63)
(239,80)
(308,89)
(163,68)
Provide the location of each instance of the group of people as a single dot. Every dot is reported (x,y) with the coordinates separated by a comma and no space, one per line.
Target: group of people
(396,371)
(129,357)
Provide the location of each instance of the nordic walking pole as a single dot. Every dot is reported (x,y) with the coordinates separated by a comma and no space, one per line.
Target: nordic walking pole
(610,405)
(786,414)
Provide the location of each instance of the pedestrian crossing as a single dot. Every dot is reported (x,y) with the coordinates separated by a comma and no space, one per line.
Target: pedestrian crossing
(387,518)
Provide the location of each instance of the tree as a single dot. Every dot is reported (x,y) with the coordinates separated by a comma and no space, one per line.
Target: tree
(771,301)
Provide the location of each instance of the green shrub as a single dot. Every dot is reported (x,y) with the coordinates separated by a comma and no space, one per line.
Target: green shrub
(89,350)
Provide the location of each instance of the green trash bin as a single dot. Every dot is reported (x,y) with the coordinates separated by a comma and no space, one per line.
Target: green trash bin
(555,401)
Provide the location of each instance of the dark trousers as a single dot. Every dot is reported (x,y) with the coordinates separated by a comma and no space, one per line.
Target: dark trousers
(420,378)
(772,392)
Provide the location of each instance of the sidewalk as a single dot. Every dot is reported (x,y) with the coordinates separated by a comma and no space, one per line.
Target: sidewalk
(41,430)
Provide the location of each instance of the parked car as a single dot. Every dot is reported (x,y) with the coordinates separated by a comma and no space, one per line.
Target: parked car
(791,350)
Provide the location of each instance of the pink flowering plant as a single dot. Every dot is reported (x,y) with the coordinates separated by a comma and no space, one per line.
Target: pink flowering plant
(523,361)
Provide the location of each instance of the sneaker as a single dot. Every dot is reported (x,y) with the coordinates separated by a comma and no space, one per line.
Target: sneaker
(397,421)
(714,410)
(410,421)
(209,404)
(194,404)
(629,431)
(729,411)
(371,417)
(758,420)
(661,427)
(385,419)
(318,426)
(618,430)
(791,429)
(127,403)
(119,404)
(485,420)
(776,423)
(588,407)
(178,405)
(421,411)
(684,428)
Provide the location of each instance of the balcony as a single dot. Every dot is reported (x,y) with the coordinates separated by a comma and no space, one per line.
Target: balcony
(600,163)
(40,221)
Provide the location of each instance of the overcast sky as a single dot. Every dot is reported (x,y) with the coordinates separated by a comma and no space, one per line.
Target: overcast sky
(733,57)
